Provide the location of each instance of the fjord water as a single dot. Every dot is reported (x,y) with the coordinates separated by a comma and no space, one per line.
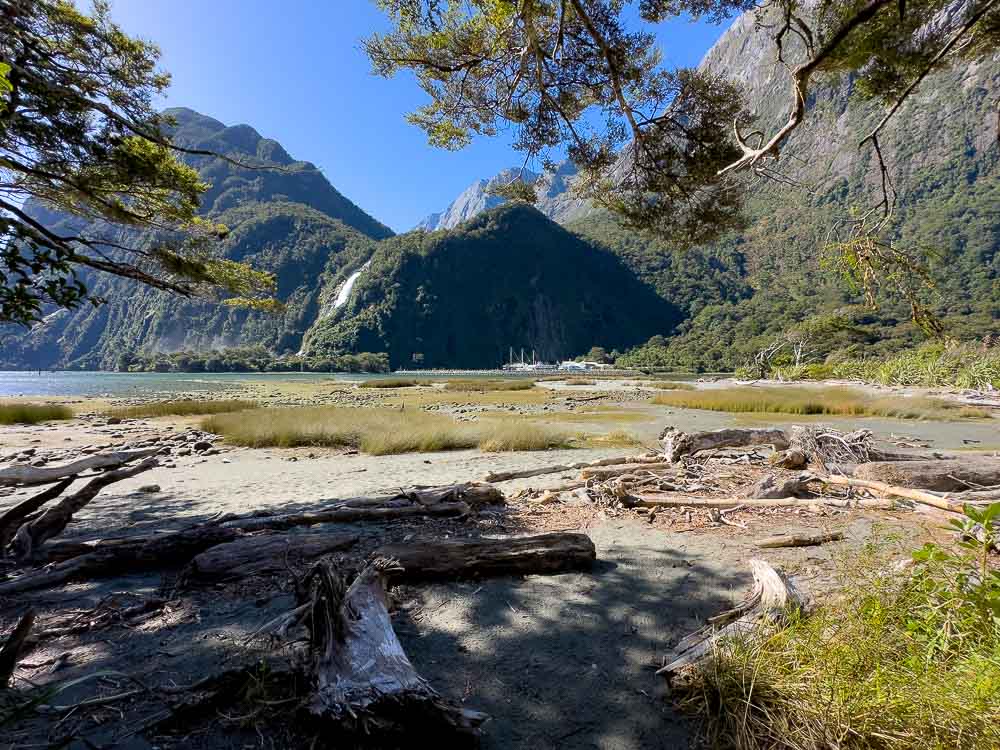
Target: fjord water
(92,383)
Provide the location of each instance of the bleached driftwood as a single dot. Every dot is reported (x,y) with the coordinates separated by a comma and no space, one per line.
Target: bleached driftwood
(770,602)
(27,476)
(11,520)
(28,541)
(504,476)
(465,558)
(14,646)
(952,503)
(653,500)
(677,444)
(607,472)
(363,684)
(769,487)
(949,475)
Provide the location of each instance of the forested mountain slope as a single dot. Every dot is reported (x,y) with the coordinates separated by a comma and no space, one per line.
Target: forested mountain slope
(289,221)
(508,278)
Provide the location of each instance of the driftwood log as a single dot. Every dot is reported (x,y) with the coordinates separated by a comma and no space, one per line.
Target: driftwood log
(28,476)
(28,541)
(505,476)
(451,500)
(166,550)
(543,553)
(654,500)
(11,520)
(677,444)
(263,554)
(606,472)
(14,646)
(771,600)
(363,684)
(949,475)
(799,540)
(770,488)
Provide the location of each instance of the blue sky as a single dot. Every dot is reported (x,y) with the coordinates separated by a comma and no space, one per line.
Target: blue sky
(294,70)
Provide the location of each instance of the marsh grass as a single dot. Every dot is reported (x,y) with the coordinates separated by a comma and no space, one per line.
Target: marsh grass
(16,413)
(180,408)
(816,401)
(379,431)
(481,386)
(613,439)
(900,661)
(389,383)
(581,381)
(670,385)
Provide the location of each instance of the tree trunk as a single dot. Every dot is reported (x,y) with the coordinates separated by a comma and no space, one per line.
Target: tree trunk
(345,514)
(26,476)
(770,602)
(11,521)
(263,554)
(949,475)
(677,444)
(466,558)
(363,683)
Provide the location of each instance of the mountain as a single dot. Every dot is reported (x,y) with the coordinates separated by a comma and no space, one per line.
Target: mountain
(553,187)
(289,221)
(508,278)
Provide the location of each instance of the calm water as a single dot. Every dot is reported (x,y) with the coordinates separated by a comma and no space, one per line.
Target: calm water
(85,383)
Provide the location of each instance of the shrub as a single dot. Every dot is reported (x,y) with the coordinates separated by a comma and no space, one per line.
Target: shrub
(14,413)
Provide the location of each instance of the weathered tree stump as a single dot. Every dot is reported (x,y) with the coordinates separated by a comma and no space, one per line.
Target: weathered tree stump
(677,444)
(363,684)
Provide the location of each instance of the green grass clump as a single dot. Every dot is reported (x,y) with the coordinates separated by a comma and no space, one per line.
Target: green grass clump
(901,661)
(488,385)
(389,383)
(378,431)
(180,408)
(14,413)
(816,401)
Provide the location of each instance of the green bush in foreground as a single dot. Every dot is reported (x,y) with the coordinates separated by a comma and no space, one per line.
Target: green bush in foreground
(816,401)
(32,413)
(180,408)
(489,385)
(379,431)
(902,661)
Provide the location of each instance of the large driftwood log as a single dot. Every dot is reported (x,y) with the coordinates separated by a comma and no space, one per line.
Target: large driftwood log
(30,537)
(771,600)
(653,500)
(769,488)
(949,475)
(363,682)
(342,514)
(677,444)
(163,551)
(465,558)
(27,476)
(953,503)
(799,540)
(606,472)
(11,521)
(505,476)
(264,554)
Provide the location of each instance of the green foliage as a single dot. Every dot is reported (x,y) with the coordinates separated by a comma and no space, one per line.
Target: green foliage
(800,400)
(180,408)
(248,359)
(904,659)
(18,413)
(78,133)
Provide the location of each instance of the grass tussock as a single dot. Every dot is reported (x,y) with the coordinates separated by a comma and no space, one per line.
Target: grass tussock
(482,386)
(581,381)
(15,413)
(180,408)
(613,439)
(670,385)
(902,661)
(378,431)
(389,383)
(816,401)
